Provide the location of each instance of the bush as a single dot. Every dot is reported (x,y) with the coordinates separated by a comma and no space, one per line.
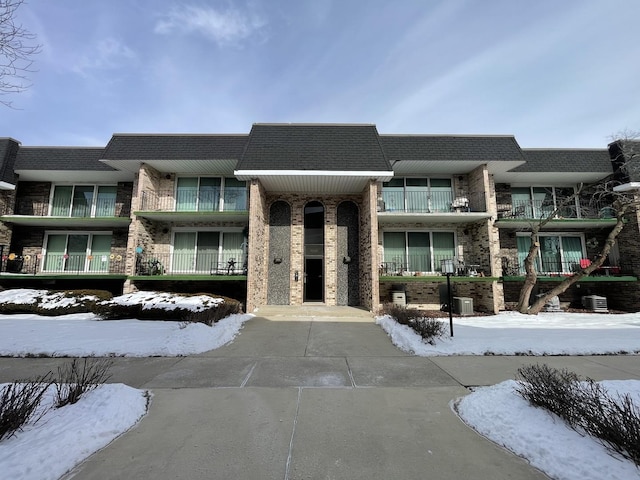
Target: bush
(75,379)
(19,404)
(428,328)
(586,407)
(70,301)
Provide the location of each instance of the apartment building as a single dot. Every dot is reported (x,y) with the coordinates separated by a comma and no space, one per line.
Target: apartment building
(308,213)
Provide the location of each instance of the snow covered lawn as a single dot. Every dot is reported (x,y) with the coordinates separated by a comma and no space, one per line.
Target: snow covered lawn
(500,414)
(66,436)
(512,333)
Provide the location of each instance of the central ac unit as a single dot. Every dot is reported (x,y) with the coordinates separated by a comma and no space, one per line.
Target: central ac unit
(595,303)
(463,305)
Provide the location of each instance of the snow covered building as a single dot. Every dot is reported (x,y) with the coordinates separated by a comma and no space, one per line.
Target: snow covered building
(302,213)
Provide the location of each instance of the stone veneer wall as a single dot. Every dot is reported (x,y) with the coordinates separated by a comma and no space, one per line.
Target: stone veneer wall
(369,250)
(258,249)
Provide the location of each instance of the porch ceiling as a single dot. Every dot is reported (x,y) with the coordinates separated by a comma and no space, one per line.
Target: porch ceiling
(75,222)
(385,218)
(169,217)
(314,181)
(564,224)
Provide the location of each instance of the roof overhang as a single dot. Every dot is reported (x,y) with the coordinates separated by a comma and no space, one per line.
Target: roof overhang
(451,167)
(7,186)
(627,187)
(205,166)
(549,178)
(313,181)
(74,176)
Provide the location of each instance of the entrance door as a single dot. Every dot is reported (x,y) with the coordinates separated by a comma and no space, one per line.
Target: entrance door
(313,252)
(313,280)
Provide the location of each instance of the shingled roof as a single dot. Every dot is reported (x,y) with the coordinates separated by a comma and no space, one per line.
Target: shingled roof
(445,148)
(565,160)
(60,158)
(144,147)
(322,147)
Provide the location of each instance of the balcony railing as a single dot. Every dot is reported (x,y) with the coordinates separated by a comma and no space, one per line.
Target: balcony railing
(550,267)
(532,209)
(39,206)
(423,265)
(193,200)
(63,264)
(431,202)
(191,263)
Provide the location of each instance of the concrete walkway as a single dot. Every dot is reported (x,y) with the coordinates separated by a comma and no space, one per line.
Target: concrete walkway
(311,393)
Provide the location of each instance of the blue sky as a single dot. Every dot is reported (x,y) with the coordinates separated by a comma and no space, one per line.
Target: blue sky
(552,73)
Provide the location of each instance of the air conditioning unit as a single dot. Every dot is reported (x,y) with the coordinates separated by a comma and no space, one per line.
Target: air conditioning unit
(552,305)
(595,303)
(463,305)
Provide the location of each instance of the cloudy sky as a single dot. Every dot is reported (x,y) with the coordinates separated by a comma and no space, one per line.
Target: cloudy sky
(552,73)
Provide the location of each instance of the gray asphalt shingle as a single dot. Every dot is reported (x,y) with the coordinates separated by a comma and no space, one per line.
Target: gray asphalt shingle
(565,160)
(174,147)
(314,147)
(450,147)
(60,158)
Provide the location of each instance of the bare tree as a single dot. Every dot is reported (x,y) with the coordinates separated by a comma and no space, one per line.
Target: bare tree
(17,48)
(626,148)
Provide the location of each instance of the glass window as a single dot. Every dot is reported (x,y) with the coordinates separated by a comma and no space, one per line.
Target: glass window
(77,252)
(418,195)
(207,251)
(557,254)
(187,194)
(61,203)
(79,201)
(235,195)
(416,251)
(106,201)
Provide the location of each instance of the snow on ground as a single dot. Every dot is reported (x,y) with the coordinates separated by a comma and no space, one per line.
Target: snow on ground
(500,414)
(512,333)
(496,412)
(65,436)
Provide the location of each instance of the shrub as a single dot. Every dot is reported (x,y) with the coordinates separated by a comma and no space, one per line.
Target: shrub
(19,403)
(428,328)
(75,379)
(586,407)
(69,301)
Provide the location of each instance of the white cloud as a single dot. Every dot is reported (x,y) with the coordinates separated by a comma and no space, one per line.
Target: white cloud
(108,54)
(223,27)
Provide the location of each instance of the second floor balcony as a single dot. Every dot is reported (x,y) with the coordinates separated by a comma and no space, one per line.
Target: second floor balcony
(230,201)
(580,212)
(100,210)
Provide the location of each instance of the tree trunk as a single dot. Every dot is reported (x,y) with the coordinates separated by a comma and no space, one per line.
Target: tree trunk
(567,282)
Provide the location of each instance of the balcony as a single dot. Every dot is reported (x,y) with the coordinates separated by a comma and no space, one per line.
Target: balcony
(434,206)
(63,264)
(190,264)
(40,211)
(429,266)
(194,204)
(553,268)
(583,214)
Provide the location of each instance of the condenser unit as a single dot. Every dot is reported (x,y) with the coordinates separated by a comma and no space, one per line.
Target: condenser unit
(463,305)
(595,303)
(552,304)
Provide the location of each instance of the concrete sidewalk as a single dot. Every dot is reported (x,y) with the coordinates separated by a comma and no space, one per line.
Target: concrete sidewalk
(311,393)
